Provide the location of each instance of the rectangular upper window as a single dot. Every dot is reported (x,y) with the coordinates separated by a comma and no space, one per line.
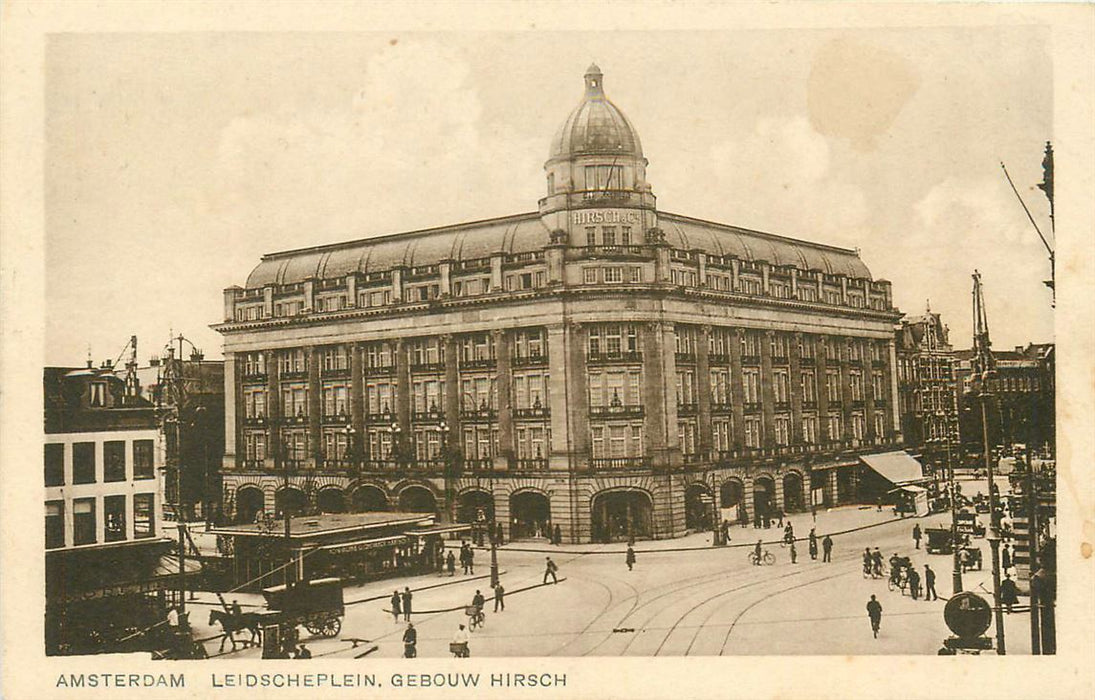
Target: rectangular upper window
(114,512)
(83,463)
(55,464)
(143,459)
(114,460)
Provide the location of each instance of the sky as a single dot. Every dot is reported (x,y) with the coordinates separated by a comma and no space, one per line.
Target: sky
(174,161)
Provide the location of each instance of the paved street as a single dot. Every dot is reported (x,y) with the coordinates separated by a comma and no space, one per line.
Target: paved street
(683,598)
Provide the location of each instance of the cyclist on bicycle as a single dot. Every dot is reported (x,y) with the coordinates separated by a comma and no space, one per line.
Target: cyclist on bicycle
(757,553)
(876,557)
(788,534)
(867,562)
(478,600)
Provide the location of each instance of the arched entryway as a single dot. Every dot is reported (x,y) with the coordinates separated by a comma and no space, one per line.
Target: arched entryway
(530,514)
(331,500)
(249,501)
(622,514)
(292,499)
(794,500)
(470,503)
(764,497)
(732,498)
(369,498)
(697,507)
(417,499)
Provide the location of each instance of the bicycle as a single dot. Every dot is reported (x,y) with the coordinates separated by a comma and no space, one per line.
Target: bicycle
(765,558)
(899,578)
(476,617)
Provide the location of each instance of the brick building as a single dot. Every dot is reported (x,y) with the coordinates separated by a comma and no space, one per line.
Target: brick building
(597,365)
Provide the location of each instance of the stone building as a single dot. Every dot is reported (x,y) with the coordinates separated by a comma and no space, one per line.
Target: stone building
(597,365)
(928,390)
(103,500)
(1022,403)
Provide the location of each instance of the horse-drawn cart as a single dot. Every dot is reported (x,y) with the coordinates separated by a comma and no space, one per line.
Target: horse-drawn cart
(315,604)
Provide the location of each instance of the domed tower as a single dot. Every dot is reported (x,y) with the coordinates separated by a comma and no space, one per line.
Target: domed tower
(597,191)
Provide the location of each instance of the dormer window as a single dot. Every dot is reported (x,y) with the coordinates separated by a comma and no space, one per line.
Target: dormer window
(98,394)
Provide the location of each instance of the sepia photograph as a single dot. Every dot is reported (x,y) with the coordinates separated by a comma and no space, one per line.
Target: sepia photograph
(394,346)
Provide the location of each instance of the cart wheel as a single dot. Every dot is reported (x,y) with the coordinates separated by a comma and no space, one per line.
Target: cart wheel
(769,558)
(331,627)
(890,583)
(313,628)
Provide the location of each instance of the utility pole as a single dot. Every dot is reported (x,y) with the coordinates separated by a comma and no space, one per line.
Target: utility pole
(983,371)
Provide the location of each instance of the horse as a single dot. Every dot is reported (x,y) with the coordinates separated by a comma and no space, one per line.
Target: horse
(236,623)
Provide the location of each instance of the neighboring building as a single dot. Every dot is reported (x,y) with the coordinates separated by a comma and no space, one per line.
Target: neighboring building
(597,365)
(1023,404)
(927,390)
(189,398)
(103,510)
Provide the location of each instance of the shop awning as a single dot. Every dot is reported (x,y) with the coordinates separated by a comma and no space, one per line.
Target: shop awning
(910,488)
(359,545)
(439,530)
(896,467)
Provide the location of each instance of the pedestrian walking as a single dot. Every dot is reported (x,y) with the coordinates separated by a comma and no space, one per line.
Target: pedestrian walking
(725,531)
(464,556)
(471,560)
(1005,555)
(916,535)
(813,544)
(794,553)
(630,558)
(499,597)
(501,534)
(549,570)
(397,606)
(929,584)
(914,583)
(406,603)
(874,612)
(558,535)
(450,562)
(867,562)
(779,514)
(1009,593)
(827,549)
(410,639)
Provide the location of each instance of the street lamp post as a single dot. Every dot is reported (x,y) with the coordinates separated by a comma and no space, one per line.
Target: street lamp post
(956,575)
(994,526)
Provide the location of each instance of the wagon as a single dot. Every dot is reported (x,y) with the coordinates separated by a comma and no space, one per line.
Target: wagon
(940,542)
(316,604)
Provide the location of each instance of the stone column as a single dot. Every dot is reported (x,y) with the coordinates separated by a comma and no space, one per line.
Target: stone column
(737,386)
(867,368)
(559,397)
(659,401)
(397,285)
(357,400)
(571,364)
(794,360)
(496,272)
(821,361)
(351,290)
(846,386)
(502,344)
(233,411)
(767,391)
(703,392)
(889,378)
(445,269)
(315,405)
(274,445)
(452,392)
(309,295)
(403,391)
(268,301)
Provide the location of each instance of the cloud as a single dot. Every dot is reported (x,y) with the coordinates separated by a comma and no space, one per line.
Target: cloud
(372,165)
(983,228)
(779,177)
